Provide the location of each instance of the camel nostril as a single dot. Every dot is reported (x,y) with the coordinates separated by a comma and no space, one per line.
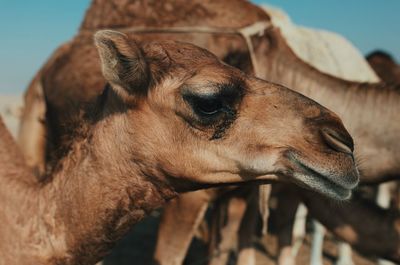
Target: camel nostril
(338,142)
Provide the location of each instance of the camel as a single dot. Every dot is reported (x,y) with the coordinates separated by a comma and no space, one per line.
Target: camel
(341,95)
(59,72)
(369,228)
(332,54)
(389,72)
(369,173)
(63,83)
(159,95)
(327,51)
(35,114)
(337,94)
(385,66)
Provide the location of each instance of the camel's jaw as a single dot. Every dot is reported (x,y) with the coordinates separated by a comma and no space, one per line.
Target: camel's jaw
(337,186)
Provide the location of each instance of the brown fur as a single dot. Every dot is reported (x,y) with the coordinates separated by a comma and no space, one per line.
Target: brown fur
(181,217)
(122,152)
(76,85)
(76,75)
(278,62)
(384,66)
(115,14)
(367,109)
(356,103)
(371,230)
(348,222)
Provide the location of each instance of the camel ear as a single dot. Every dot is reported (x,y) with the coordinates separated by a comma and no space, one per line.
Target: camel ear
(123,62)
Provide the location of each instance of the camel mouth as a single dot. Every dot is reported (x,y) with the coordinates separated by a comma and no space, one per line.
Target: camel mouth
(314,179)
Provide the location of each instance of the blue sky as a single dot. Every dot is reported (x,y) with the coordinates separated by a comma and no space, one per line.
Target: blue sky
(31,30)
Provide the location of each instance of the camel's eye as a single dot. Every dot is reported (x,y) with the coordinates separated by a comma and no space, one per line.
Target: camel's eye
(212,107)
(206,105)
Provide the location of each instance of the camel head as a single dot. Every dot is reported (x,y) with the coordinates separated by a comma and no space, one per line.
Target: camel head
(186,119)
(385,66)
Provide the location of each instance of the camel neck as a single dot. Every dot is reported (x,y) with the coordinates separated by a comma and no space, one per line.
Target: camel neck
(75,218)
(18,196)
(284,67)
(368,110)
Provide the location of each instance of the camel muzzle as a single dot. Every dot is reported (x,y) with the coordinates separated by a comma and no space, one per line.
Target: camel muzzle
(339,142)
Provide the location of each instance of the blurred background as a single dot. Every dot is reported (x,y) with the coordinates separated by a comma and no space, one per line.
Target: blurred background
(31,30)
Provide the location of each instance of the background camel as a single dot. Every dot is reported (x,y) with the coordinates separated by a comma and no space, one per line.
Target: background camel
(370,229)
(314,84)
(387,69)
(382,149)
(385,66)
(389,72)
(155,86)
(327,51)
(345,92)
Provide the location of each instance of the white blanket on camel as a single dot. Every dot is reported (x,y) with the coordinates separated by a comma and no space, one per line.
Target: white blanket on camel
(329,52)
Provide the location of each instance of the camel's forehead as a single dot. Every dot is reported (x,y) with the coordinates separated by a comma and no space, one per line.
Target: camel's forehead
(202,74)
(205,79)
(185,60)
(216,73)
(182,52)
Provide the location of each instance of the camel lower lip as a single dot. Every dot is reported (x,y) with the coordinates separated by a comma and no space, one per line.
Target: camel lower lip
(320,183)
